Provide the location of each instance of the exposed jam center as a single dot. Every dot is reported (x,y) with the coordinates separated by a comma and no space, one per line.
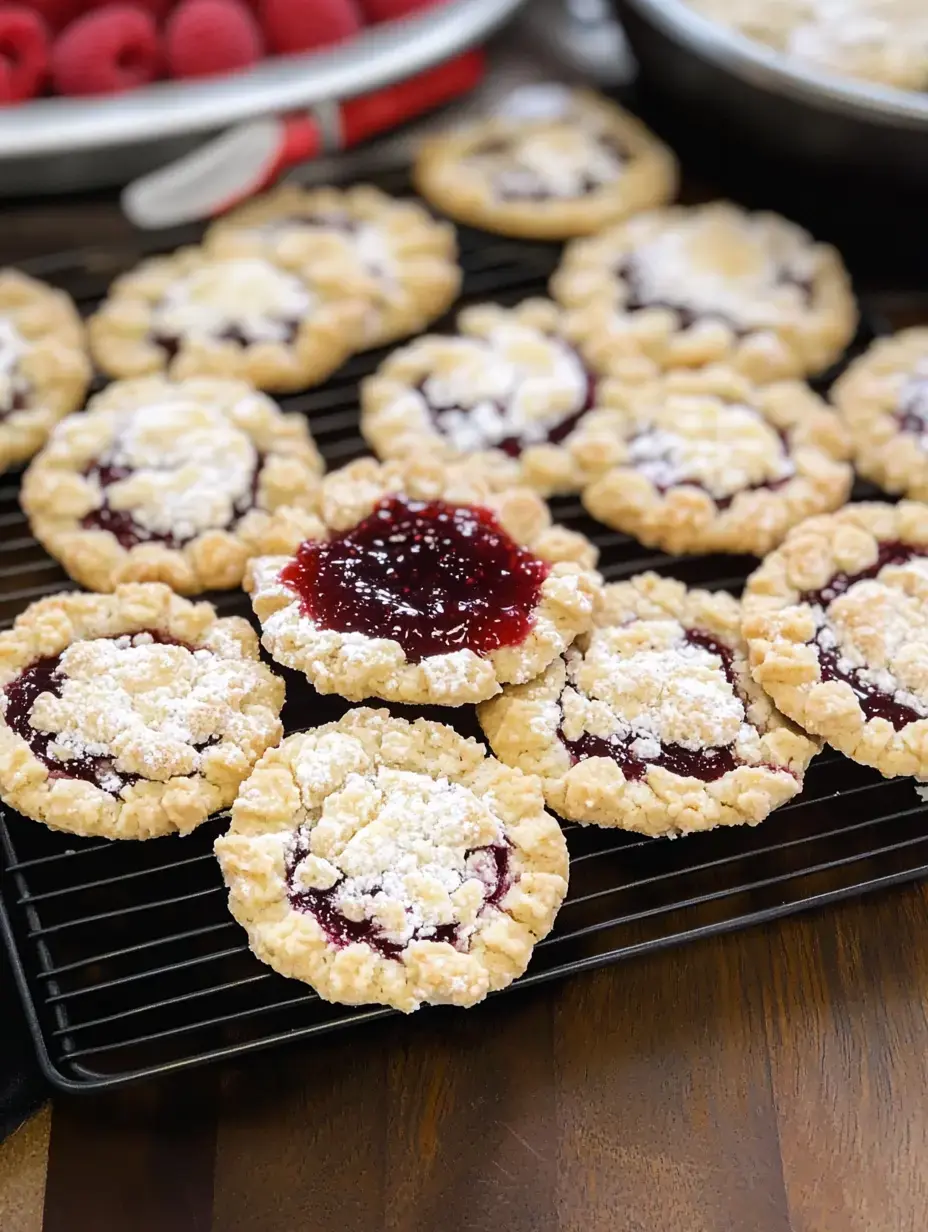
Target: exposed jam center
(873,633)
(244,301)
(912,411)
(675,704)
(703,272)
(551,163)
(520,388)
(437,578)
(112,711)
(15,388)
(426,863)
(174,471)
(706,443)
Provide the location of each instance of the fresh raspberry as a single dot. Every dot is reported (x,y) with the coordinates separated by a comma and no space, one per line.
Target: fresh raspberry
(106,51)
(159,9)
(205,37)
(301,25)
(57,13)
(389,10)
(24,52)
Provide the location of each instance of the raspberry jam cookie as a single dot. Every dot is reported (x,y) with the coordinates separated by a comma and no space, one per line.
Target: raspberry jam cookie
(390,255)
(551,164)
(44,369)
(394,863)
(883,397)
(687,286)
(194,314)
(651,722)
(837,624)
(422,585)
(704,461)
(509,390)
(130,715)
(176,482)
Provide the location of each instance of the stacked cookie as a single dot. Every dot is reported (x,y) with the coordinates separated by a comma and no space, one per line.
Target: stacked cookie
(389,859)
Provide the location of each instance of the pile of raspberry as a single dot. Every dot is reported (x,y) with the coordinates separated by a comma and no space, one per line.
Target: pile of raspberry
(80,47)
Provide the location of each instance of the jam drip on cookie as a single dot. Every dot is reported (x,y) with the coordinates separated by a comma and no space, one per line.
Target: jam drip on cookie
(875,703)
(437,578)
(490,865)
(45,676)
(706,764)
(128,531)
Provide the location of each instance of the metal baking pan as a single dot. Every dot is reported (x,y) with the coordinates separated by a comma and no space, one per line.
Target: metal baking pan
(746,90)
(66,144)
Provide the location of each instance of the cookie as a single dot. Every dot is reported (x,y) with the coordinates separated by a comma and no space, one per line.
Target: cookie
(394,863)
(651,722)
(551,164)
(195,314)
(422,585)
(837,625)
(883,398)
(508,390)
(390,255)
(692,285)
(177,482)
(130,715)
(883,41)
(703,461)
(44,368)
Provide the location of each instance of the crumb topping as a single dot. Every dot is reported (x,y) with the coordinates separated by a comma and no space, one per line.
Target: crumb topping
(249,296)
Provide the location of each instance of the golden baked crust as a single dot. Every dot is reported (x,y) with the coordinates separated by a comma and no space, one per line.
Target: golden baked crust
(508,375)
(884,41)
(836,625)
(701,460)
(595,162)
(393,830)
(691,285)
(44,368)
(663,679)
(883,397)
(358,242)
(358,666)
(195,314)
(198,468)
(166,731)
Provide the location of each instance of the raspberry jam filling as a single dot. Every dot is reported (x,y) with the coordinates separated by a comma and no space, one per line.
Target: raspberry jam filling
(446,418)
(437,578)
(631,273)
(706,764)
(45,676)
(127,530)
(17,399)
(236,333)
(875,703)
(651,453)
(491,865)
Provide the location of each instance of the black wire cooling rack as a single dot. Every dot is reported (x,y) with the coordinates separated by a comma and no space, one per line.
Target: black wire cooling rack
(127,960)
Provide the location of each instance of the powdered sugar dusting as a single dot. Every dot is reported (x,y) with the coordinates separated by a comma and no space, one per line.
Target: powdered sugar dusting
(249,294)
(404,851)
(517,383)
(12,348)
(150,706)
(188,468)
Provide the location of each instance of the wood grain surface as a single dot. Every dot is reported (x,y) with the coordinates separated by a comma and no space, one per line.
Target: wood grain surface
(774,1080)
(768,1081)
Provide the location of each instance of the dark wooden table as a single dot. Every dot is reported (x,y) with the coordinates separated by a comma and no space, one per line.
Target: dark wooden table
(774,1080)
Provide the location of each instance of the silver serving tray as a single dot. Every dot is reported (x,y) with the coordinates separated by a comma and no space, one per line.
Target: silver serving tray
(63,144)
